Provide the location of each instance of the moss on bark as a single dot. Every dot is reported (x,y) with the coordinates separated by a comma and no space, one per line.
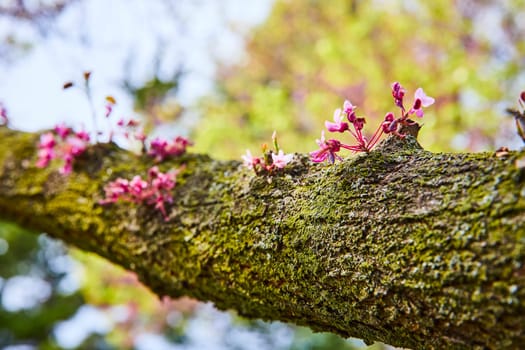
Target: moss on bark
(403,246)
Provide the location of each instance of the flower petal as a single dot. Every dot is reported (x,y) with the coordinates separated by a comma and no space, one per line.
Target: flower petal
(425,100)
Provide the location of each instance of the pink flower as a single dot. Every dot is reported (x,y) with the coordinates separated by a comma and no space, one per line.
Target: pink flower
(74,146)
(249,161)
(349,111)
(280,159)
(339,125)
(67,146)
(359,123)
(132,123)
(398,93)
(115,190)
(161,149)
(140,136)
(389,124)
(137,186)
(47,140)
(327,150)
(67,168)
(82,135)
(45,155)
(62,130)
(46,151)
(153,191)
(3,114)
(421,100)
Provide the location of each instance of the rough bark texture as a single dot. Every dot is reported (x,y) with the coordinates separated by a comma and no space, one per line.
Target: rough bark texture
(402,246)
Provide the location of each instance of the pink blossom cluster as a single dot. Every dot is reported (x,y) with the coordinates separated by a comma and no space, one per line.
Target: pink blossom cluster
(346,120)
(130,127)
(155,190)
(270,160)
(65,144)
(3,115)
(161,149)
(125,127)
(62,143)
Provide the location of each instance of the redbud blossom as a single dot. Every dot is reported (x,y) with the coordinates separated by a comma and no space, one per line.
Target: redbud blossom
(327,150)
(161,149)
(280,159)
(3,115)
(270,160)
(67,146)
(47,140)
(74,146)
(359,123)
(153,191)
(62,130)
(421,100)
(140,136)
(398,93)
(250,161)
(45,155)
(339,125)
(109,108)
(389,125)
(46,152)
(349,110)
(82,135)
(67,167)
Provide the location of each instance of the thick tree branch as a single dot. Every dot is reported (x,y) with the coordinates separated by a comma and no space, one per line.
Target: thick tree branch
(400,245)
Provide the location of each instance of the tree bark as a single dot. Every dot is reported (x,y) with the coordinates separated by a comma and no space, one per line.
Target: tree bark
(400,245)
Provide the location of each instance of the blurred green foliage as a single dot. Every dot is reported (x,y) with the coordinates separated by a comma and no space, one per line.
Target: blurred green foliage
(27,254)
(312,55)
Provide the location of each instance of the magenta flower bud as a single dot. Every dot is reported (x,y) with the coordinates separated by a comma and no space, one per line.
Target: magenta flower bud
(522,96)
(359,123)
(389,117)
(62,130)
(389,127)
(45,155)
(47,140)
(3,114)
(153,172)
(349,111)
(398,92)
(82,135)
(133,123)
(160,149)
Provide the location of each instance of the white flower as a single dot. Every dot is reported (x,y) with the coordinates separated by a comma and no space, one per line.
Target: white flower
(280,159)
(248,159)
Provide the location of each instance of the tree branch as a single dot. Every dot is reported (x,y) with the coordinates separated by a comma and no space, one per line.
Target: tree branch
(402,246)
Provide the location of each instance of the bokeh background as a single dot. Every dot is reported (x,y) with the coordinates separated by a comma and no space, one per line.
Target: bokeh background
(227,74)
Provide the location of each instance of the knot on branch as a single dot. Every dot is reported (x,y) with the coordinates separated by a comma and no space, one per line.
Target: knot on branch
(409,142)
